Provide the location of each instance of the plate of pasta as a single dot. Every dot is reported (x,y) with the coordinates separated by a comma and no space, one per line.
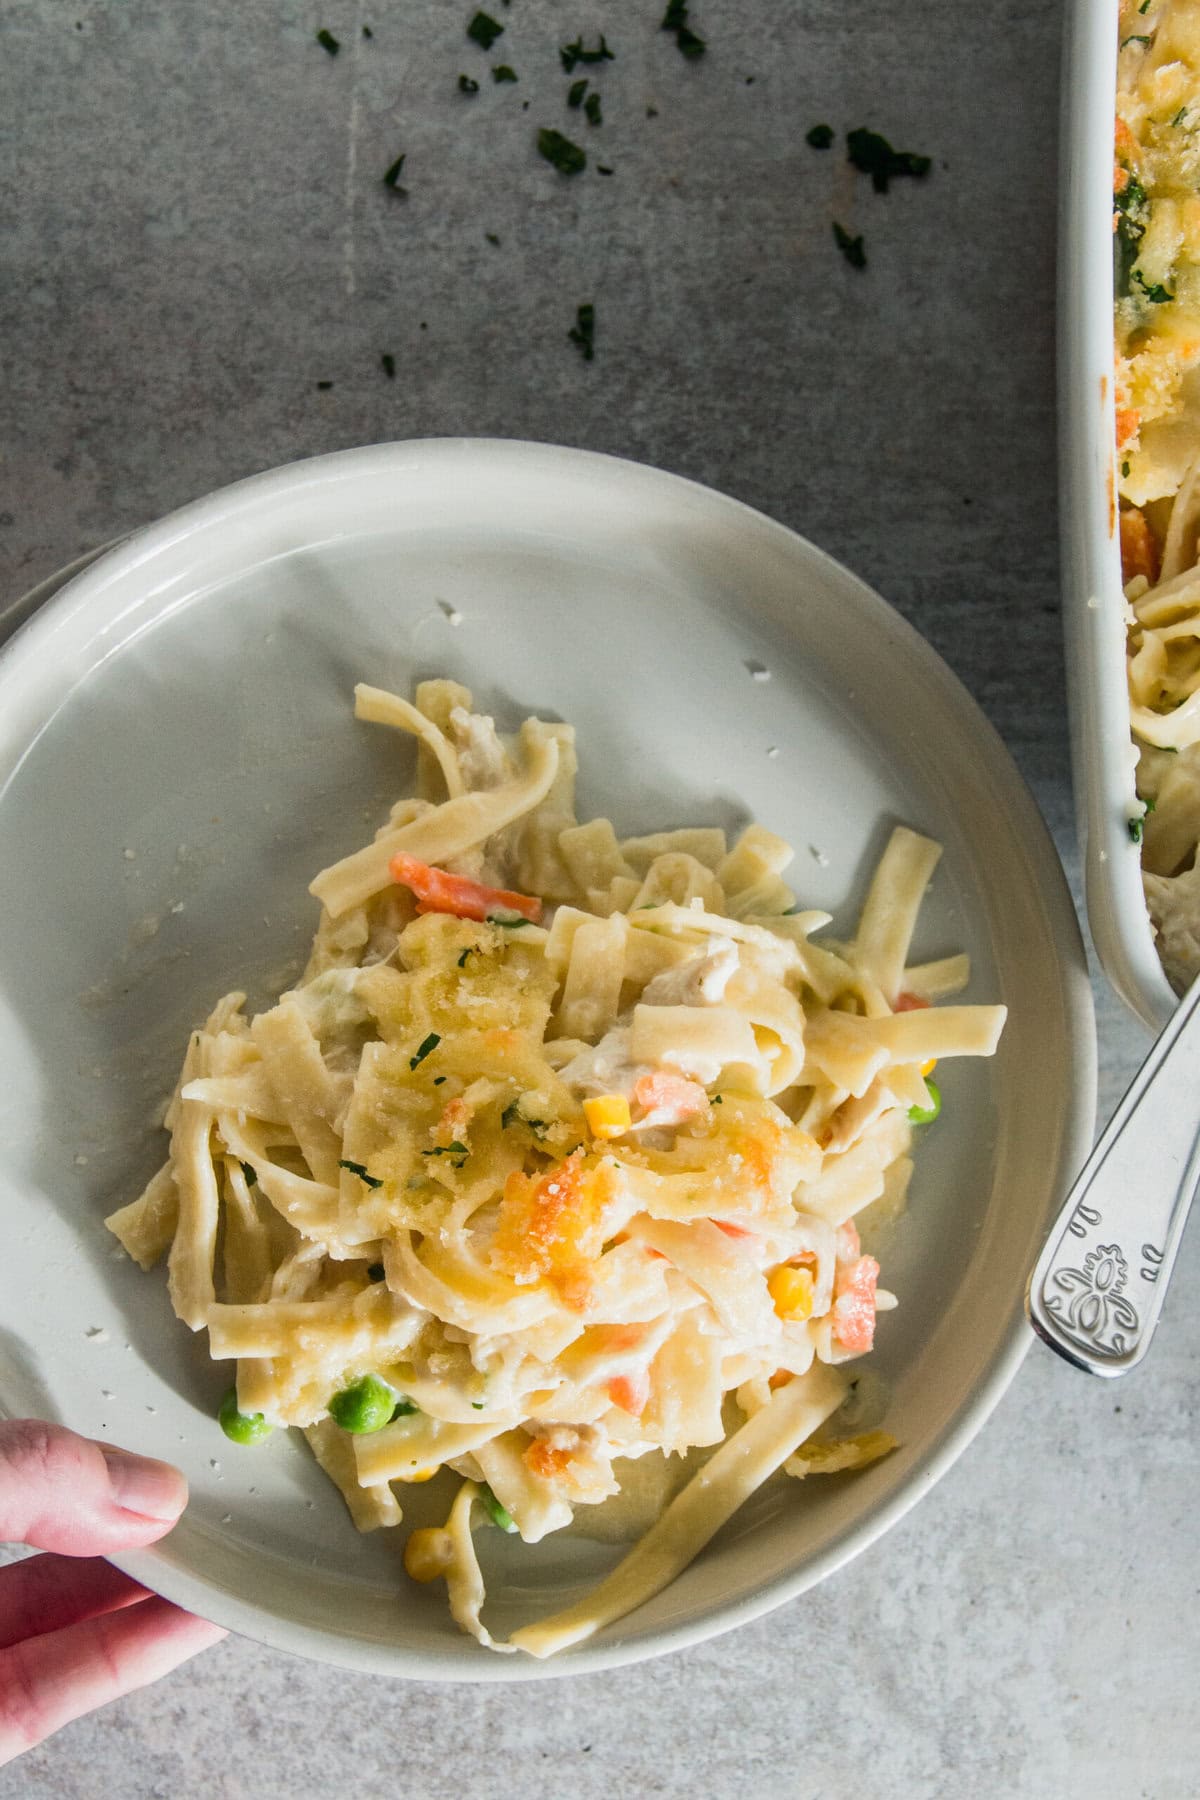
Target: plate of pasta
(546,1094)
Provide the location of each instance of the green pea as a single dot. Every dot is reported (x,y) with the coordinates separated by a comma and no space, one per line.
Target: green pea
(366,1405)
(495,1512)
(925,1115)
(240,1427)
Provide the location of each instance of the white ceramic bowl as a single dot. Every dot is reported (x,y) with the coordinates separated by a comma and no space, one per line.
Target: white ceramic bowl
(178,756)
(1102,756)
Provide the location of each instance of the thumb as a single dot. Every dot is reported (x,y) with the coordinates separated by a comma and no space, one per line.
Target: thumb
(63,1492)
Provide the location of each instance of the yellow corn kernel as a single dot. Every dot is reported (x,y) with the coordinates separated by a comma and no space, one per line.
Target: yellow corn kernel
(607,1115)
(421,1474)
(927,1068)
(429,1553)
(792,1291)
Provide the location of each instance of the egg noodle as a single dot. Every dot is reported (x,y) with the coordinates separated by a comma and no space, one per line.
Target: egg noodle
(1156,238)
(549,1161)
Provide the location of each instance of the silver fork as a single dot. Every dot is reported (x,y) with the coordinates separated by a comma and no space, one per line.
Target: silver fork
(1097,1289)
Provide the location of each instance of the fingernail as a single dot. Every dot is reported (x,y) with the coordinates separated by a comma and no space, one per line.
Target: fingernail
(141,1485)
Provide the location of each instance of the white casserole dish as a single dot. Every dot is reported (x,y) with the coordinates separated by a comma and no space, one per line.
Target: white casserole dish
(1102,755)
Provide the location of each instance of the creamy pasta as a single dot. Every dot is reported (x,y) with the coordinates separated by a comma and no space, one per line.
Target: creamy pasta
(1156,237)
(550,1161)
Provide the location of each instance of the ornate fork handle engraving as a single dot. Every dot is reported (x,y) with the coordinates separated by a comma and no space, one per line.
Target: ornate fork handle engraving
(1089,1304)
(1091,1298)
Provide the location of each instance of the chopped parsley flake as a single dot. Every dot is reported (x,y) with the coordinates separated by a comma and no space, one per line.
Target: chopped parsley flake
(328,42)
(438,1080)
(603,169)
(820,137)
(1136,829)
(484,30)
(392,178)
(1131,198)
(570,54)
(502,72)
(718,1100)
(876,158)
(676,19)
(492,239)
(1124,471)
(576,91)
(388,362)
(1132,213)
(458,1153)
(511,924)
(591,107)
(1145,6)
(359,1169)
(251,1174)
(583,332)
(324,385)
(467,85)
(367,32)
(566,157)
(471,949)
(512,1115)
(1180,116)
(404,1409)
(1154,291)
(478,1405)
(850,247)
(1135,38)
(424,1048)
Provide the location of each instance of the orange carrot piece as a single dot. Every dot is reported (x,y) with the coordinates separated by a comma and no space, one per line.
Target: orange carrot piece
(547,1460)
(676,1092)
(910,1003)
(1129,420)
(731,1230)
(1139,552)
(1124,140)
(631,1392)
(854,1305)
(439,891)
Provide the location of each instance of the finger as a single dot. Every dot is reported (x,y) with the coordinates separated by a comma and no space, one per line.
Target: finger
(46,1592)
(48,1681)
(63,1492)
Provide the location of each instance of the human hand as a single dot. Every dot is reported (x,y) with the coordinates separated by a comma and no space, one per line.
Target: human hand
(74,1631)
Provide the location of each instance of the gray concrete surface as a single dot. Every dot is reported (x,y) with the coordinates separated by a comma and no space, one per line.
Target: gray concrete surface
(195,235)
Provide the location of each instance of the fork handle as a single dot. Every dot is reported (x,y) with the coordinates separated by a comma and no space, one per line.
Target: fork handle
(1098,1287)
